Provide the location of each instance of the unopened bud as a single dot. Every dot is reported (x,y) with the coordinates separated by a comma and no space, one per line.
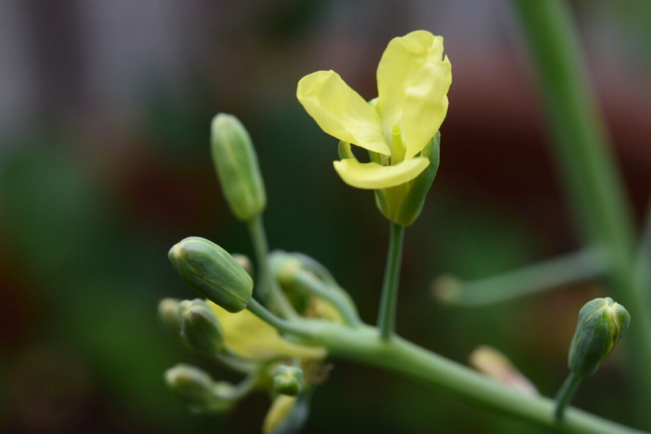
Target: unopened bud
(191,384)
(601,324)
(237,167)
(213,272)
(288,380)
(168,312)
(200,326)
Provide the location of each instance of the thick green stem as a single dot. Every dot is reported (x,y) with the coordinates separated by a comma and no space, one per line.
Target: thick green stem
(398,355)
(574,267)
(267,289)
(594,186)
(565,394)
(387,316)
(364,345)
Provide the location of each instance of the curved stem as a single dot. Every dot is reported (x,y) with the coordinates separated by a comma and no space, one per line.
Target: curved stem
(387,315)
(565,394)
(236,363)
(306,282)
(267,288)
(243,388)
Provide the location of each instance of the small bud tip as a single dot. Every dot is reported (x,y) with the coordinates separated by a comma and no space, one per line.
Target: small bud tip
(446,289)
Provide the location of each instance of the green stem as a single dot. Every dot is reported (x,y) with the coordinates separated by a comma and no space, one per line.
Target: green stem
(364,345)
(594,186)
(565,394)
(387,315)
(244,387)
(574,267)
(307,282)
(267,289)
(398,355)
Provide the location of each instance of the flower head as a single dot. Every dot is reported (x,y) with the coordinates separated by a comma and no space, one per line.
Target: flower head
(413,79)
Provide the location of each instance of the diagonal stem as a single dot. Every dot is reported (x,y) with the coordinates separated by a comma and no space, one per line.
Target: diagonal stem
(574,267)
(400,356)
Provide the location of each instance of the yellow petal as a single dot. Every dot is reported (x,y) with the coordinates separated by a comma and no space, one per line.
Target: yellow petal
(340,111)
(413,81)
(251,338)
(402,59)
(426,104)
(373,176)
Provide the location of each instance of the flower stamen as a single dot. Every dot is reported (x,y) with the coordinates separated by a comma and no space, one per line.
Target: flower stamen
(399,149)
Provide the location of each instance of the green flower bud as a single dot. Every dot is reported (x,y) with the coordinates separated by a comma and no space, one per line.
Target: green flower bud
(200,327)
(213,272)
(237,167)
(602,322)
(191,384)
(288,380)
(402,204)
(168,312)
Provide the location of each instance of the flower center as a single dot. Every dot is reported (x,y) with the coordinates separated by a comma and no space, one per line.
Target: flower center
(398,148)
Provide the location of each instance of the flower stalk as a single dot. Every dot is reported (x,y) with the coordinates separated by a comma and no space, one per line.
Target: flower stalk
(267,289)
(387,315)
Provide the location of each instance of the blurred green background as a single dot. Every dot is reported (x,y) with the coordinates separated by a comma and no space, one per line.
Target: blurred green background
(104,164)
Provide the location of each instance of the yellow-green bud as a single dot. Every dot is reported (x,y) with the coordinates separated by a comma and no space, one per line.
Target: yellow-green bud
(200,326)
(213,272)
(237,167)
(602,322)
(191,384)
(288,380)
(168,312)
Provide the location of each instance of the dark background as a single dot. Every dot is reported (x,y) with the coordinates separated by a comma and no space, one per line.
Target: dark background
(104,164)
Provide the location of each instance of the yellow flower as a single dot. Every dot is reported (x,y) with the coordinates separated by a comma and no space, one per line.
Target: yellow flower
(413,79)
(251,338)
